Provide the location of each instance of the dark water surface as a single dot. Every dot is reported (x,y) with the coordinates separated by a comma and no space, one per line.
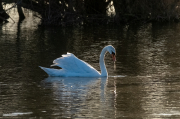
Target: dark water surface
(143,83)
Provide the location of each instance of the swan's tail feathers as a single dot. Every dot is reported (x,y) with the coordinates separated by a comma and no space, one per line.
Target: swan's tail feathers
(52,72)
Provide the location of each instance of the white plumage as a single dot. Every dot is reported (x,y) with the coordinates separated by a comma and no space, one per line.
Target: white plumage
(74,67)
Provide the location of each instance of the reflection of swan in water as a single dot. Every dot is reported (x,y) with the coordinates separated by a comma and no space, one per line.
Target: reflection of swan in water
(68,82)
(77,96)
(74,85)
(74,67)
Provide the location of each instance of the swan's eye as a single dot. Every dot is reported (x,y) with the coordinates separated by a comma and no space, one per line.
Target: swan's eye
(113,53)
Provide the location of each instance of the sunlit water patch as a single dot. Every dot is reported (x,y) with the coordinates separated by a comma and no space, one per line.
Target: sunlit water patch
(16,114)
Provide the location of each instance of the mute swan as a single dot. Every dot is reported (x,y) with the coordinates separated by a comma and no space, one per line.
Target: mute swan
(74,67)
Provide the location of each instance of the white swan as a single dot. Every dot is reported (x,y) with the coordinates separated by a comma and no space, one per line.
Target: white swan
(74,67)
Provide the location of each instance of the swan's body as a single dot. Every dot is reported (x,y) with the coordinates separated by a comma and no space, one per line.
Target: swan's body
(74,67)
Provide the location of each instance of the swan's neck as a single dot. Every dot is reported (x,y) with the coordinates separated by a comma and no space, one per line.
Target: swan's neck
(102,63)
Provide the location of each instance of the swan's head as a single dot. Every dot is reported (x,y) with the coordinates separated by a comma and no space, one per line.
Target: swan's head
(112,51)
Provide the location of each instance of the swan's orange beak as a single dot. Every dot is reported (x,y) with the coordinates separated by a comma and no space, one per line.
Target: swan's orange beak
(114,57)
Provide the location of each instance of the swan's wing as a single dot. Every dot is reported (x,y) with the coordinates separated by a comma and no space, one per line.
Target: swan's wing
(71,63)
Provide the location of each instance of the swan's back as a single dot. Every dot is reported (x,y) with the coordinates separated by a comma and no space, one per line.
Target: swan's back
(71,66)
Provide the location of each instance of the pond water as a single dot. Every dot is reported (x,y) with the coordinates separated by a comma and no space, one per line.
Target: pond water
(143,83)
